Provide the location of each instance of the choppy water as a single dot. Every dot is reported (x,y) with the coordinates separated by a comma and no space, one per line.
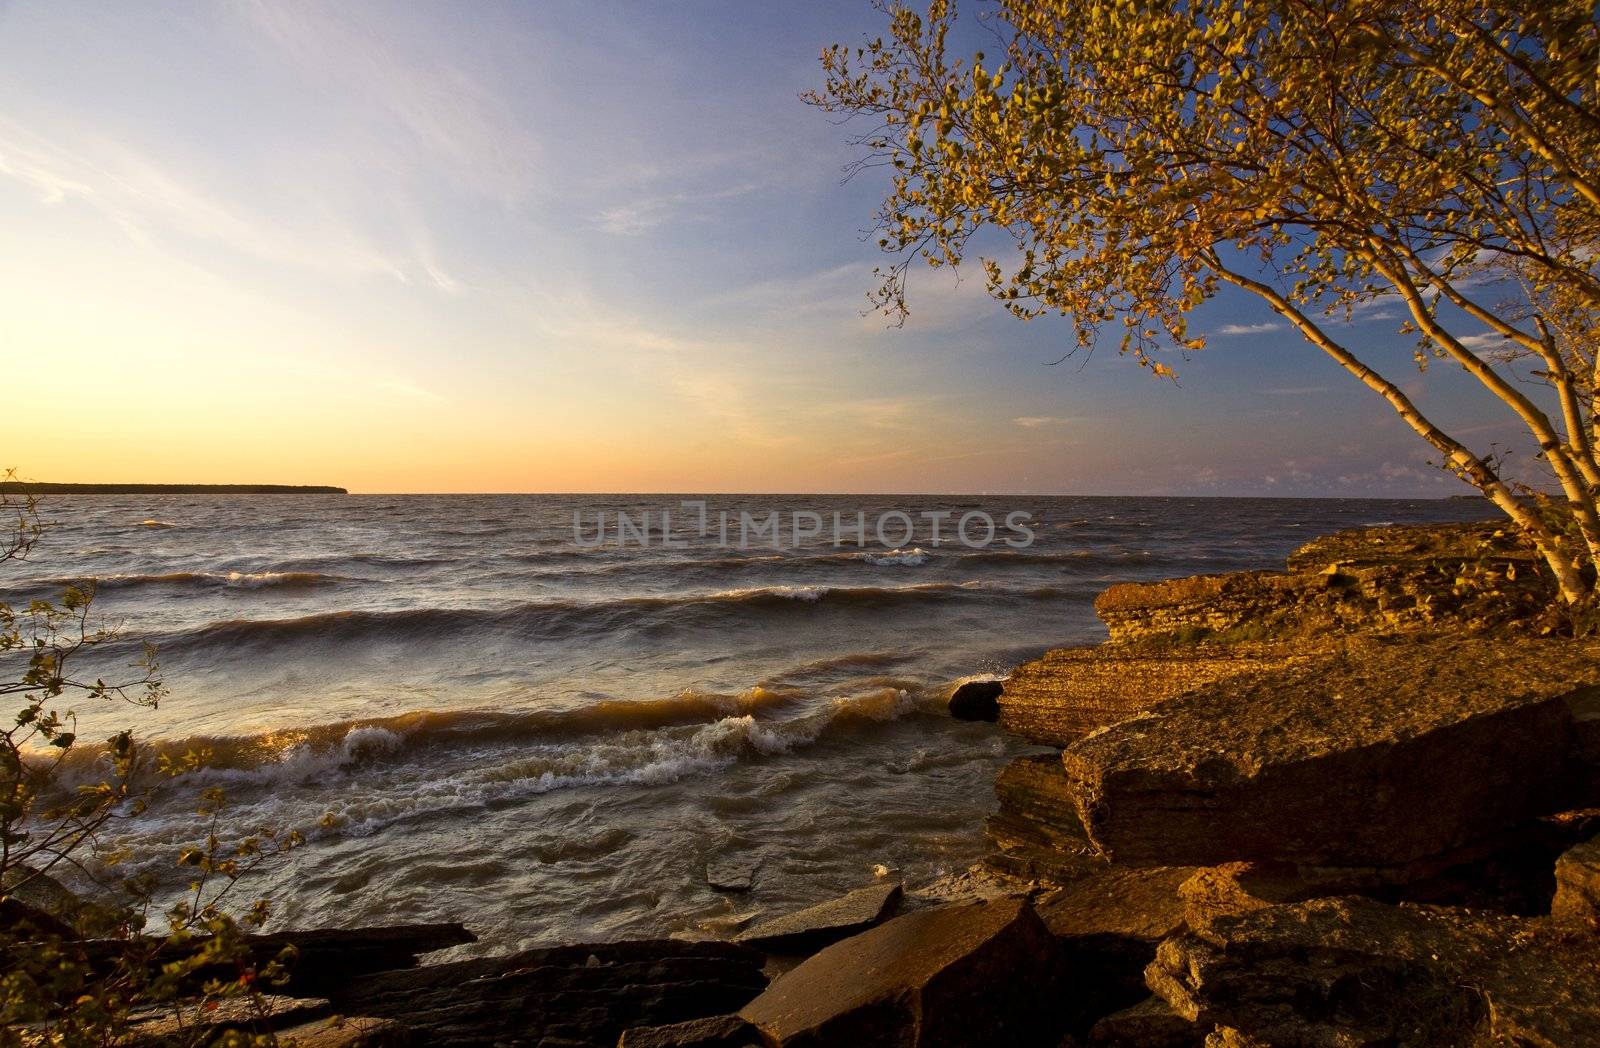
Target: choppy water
(550,741)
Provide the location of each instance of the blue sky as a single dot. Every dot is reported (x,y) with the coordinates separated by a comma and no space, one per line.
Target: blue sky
(567,247)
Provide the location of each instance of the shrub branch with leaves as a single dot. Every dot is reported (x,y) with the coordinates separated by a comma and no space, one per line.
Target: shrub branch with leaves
(87,972)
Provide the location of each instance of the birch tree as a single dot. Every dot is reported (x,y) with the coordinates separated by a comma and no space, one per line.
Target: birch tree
(1317,154)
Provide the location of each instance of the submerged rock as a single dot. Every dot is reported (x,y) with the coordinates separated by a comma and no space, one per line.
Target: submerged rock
(1577,898)
(977,700)
(951,977)
(816,926)
(1379,756)
(736,873)
(1353,971)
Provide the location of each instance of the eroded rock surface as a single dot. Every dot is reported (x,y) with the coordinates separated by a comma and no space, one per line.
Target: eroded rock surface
(1577,898)
(1353,971)
(1391,580)
(1376,756)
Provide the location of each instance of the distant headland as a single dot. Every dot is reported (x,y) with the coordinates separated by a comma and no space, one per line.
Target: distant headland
(28,487)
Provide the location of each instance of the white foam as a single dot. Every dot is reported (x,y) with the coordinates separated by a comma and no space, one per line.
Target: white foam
(901,557)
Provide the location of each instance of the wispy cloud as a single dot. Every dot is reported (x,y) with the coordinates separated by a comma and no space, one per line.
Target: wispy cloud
(1042,421)
(646,213)
(1249,329)
(151,203)
(1484,341)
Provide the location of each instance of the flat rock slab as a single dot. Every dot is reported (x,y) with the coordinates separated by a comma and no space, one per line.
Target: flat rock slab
(578,995)
(1378,755)
(1069,692)
(1578,886)
(352,1032)
(716,1031)
(951,977)
(1353,971)
(816,926)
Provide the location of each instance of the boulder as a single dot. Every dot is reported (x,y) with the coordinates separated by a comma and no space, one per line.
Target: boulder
(1069,692)
(1354,971)
(977,700)
(1149,1024)
(716,1031)
(576,995)
(816,926)
(951,977)
(1352,759)
(1577,898)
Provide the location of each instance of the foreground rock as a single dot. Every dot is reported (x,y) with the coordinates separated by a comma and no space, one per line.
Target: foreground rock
(1356,759)
(816,926)
(977,973)
(1577,896)
(566,995)
(1357,972)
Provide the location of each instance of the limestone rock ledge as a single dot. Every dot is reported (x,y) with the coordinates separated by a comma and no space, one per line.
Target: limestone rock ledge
(1391,580)
(1381,755)
(1351,971)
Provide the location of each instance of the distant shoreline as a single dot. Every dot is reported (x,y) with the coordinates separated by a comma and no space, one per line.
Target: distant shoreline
(16,487)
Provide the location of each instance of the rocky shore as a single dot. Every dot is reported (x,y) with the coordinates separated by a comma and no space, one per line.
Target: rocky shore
(1352,803)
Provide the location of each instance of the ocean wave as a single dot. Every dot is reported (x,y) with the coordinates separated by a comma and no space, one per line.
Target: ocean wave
(215,579)
(559,619)
(389,771)
(295,753)
(153,523)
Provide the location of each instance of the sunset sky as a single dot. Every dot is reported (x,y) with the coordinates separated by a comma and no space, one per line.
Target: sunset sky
(561,247)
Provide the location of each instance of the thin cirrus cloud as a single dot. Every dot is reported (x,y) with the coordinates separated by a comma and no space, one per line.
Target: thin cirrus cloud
(1042,421)
(1248,329)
